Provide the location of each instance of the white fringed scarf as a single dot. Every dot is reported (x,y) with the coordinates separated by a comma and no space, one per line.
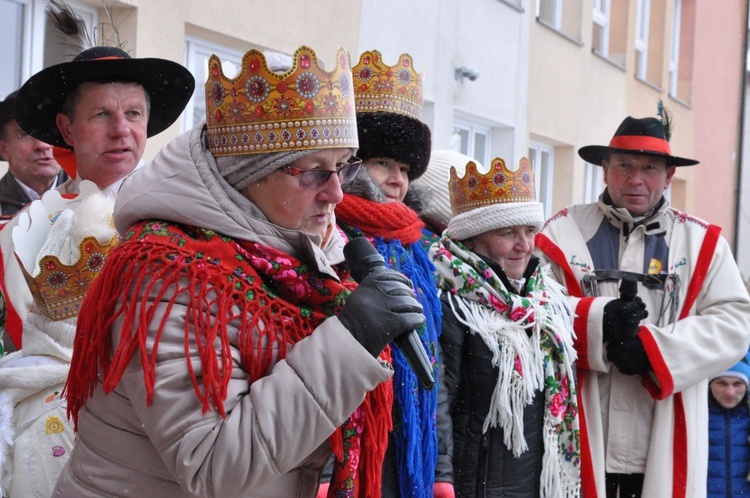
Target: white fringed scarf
(531,341)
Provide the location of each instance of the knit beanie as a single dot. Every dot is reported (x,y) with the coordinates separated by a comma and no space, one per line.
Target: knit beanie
(242,170)
(741,370)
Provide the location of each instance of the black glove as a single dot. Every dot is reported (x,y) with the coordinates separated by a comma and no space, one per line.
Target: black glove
(621,319)
(382,308)
(629,356)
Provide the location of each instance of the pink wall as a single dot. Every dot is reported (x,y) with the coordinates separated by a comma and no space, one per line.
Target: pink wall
(718,71)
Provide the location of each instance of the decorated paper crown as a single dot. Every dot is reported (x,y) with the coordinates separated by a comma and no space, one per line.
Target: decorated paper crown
(260,111)
(379,87)
(497,199)
(498,186)
(58,289)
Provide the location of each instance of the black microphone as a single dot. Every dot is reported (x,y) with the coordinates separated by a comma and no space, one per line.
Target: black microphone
(364,259)
(628,288)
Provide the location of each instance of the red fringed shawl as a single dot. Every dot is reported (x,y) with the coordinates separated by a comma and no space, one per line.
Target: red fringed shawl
(225,280)
(391,220)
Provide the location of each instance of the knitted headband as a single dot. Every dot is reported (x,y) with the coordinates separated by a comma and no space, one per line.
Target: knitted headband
(499,198)
(494,217)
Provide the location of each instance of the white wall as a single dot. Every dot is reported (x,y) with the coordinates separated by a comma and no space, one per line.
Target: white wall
(487,35)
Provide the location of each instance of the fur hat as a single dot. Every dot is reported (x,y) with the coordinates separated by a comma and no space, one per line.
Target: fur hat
(395,136)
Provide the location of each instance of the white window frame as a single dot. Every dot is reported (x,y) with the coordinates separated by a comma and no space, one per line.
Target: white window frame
(642,28)
(197,52)
(593,180)
(601,17)
(674,58)
(473,129)
(543,173)
(33,38)
(557,13)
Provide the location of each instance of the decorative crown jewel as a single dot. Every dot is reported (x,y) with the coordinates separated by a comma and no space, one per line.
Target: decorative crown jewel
(260,111)
(498,186)
(57,288)
(379,87)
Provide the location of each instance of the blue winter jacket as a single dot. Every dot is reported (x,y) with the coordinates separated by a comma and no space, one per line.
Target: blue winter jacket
(728,450)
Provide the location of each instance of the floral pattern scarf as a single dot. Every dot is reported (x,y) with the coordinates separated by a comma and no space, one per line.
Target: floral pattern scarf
(243,281)
(531,340)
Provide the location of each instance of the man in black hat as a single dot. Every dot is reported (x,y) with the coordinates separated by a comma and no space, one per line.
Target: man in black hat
(32,169)
(682,315)
(102,105)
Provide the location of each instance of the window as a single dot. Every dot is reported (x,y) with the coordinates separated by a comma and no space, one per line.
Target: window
(641,38)
(197,54)
(550,11)
(650,42)
(610,34)
(563,16)
(593,182)
(681,57)
(28,41)
(15,22)
(601,27)
(542,158)
(472,140)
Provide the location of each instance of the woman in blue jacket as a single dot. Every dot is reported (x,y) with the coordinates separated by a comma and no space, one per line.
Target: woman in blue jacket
(728,431)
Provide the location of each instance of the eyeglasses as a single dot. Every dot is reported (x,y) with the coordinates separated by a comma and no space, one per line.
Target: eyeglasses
(311,179)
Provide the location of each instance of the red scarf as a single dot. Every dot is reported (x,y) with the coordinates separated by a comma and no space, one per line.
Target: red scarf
(244,281)
(390,220)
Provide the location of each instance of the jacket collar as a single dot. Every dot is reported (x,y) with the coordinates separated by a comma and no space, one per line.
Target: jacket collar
(654,223)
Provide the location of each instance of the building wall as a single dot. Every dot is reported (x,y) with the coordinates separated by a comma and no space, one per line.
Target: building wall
(717,113)
(489,36)
(158,29)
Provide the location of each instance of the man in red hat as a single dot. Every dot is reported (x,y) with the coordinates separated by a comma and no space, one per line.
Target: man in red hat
(102,105)
(682,316)
(32,169)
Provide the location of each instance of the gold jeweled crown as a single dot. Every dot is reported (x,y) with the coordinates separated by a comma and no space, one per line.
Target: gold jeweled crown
(58,289)
(379,87)
(498,186)
(260,111)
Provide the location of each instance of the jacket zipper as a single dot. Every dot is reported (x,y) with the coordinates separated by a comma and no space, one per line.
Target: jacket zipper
(484,464)
(727,454)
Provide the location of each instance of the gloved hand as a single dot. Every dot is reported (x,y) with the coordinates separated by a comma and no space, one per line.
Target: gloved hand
(443,490)
(382,308)
(629,356)
(621,319)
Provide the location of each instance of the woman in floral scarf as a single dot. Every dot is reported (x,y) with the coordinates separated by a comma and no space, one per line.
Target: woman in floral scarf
(506,343)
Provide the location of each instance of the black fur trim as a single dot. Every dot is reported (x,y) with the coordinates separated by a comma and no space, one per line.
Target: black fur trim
(395,136)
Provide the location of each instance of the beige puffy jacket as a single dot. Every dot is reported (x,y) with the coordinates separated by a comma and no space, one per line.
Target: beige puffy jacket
(272,442)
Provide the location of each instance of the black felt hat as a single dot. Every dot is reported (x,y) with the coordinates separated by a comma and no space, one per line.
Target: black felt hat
(41,98)
(395,136)
(636,136)
(6,108)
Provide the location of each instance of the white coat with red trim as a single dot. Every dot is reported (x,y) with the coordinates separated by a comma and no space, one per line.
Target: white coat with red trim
(632,423)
